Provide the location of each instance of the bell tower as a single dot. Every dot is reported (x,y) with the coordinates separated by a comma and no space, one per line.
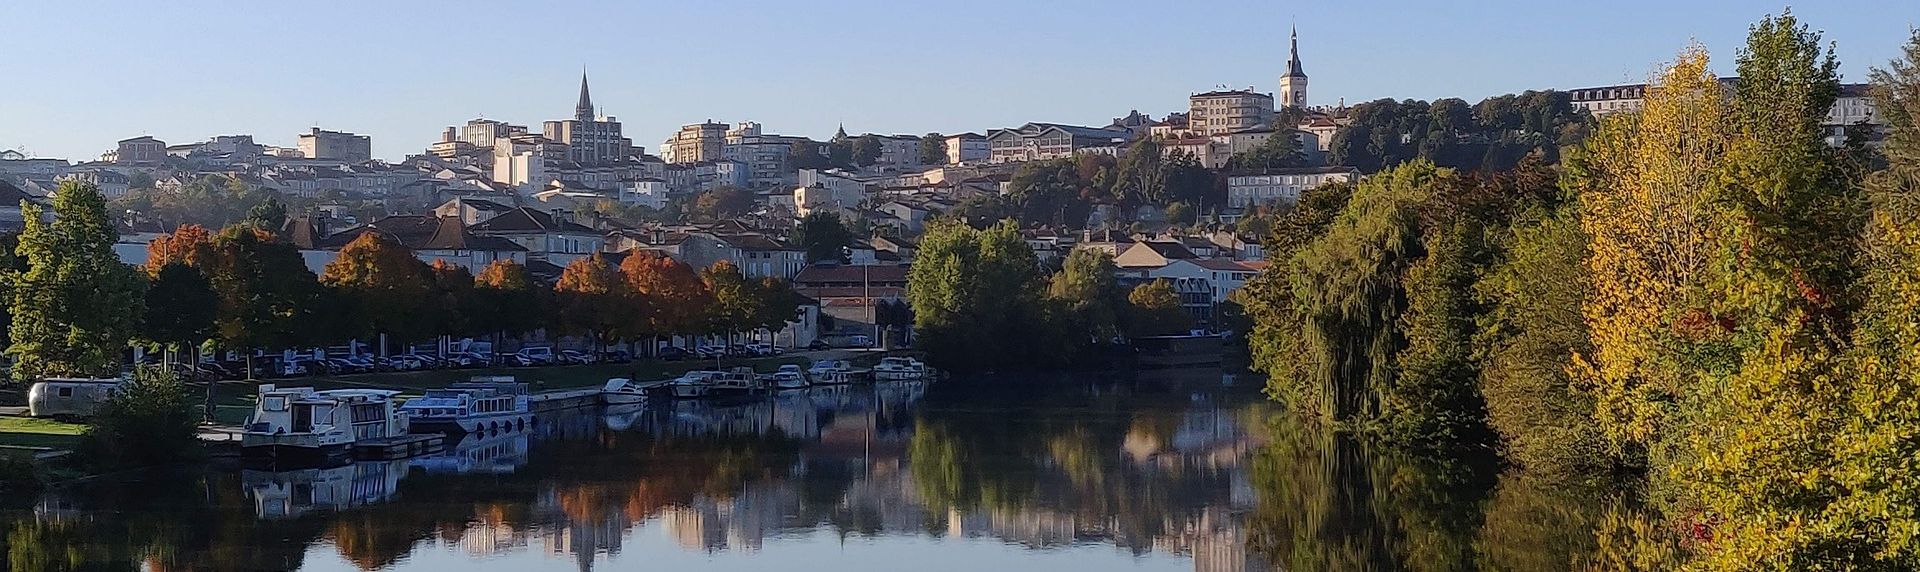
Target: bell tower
(1293,86)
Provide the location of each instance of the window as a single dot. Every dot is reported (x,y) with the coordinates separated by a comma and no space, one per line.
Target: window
(65,392)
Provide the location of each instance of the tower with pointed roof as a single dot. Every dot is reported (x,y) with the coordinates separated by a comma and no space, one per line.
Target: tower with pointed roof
(1293,86)
(583,110)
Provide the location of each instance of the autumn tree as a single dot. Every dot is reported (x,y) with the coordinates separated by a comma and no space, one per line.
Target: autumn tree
(676,299)
(76,305)
(507,299)
(188,244)
(1154,309)
(723,202)
(592,299)
(384,286)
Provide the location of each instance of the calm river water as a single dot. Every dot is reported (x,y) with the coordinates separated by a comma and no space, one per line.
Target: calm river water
(1184,471)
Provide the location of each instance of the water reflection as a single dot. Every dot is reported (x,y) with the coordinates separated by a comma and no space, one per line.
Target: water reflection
(1042,474)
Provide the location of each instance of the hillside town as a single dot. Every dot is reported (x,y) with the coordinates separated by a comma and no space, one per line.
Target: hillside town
(488,189)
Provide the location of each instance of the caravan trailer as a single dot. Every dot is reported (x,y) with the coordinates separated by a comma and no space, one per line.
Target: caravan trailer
(69,397)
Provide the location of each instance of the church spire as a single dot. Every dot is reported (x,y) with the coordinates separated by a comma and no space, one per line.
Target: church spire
(583,110)
(1293,55)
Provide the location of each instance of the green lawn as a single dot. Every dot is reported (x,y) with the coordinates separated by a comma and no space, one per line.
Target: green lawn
(30,433)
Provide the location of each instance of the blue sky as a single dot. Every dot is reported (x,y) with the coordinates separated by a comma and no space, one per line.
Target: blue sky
(79,75)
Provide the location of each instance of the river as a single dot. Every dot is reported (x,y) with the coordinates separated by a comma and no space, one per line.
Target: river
(1191,470)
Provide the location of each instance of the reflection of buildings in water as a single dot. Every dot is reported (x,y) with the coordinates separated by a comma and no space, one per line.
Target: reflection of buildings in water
(1031,528)
(586,541)
(1207,435)
(1217,541)
(483,539)
(741,522)
(290,494)
(497,454)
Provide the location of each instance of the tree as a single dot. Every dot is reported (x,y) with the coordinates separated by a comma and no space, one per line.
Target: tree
(592,299)
(268,297)
(149,420)
(269,214)
(1155,310)
(723,202)
(933,149)
(1179,213)
(823,236)
(866,150)
(383,284)
(807,155)
(677,301)
(1087,286)
(507,298)
(1281,150)
(776,304)
(454,304)
(189,244)
(975,299)
(734,306)
(1140,179)
(76,306)
(180,307)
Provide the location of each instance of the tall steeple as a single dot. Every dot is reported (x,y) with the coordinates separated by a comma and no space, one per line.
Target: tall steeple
(1293,86)
(583,110)
(1293,55)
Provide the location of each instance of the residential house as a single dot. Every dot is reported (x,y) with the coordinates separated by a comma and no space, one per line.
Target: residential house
(547,237)
(1281,186)
(967,148)
(471,210)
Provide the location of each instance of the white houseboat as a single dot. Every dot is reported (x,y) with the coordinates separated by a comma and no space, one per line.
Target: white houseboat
(787,377)
(486,404)
(900,368)
(693,384)
(293,422)
(837,372)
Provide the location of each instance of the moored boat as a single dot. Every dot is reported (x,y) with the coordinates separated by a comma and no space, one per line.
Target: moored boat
(837,372)
(482,405)
(622,391)
(693,384)
(900,368)
(296,422)
(735,382)
(787,377)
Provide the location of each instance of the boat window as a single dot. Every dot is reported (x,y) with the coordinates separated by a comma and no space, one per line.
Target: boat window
(273,403)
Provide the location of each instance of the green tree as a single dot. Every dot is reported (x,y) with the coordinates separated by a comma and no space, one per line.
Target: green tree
(1154,309)
(269,214)
(509,302)
(268,297)
(734,306)
(149,420)
(1180,213)
(1087,286)
(454,304)
(180,308)
(76,306)
(975,299)
(823,235)
(933,149)
(807,155)
(723,202)
(1140,179)
(866,150)
(1281,150)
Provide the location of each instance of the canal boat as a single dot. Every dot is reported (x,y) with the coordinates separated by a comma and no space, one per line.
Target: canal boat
(693,384)
(623,391)
(787,377)
(900,368)
(485,404)
(300,422)
(837,372)
(735,382)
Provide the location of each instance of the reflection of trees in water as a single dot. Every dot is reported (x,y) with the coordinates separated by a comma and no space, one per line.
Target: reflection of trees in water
(1329,502)
(167,521)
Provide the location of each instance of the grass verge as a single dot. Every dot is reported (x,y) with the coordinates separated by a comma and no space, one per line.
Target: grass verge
(26,433)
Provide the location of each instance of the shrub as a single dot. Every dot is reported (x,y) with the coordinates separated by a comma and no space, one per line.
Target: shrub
(150,420)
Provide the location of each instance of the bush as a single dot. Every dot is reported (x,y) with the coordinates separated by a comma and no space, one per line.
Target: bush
(18,480)
(150,420)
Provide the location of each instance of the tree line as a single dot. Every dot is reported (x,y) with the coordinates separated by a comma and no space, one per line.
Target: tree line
(982,301)
(1704,302)
(73,307)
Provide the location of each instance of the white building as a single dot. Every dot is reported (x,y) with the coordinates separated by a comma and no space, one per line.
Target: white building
(336,145)
(967,148)
(651,193)
(1218,112)
(1281,186)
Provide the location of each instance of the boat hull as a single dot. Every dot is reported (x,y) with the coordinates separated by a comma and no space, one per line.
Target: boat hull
(473,424)
(623,398)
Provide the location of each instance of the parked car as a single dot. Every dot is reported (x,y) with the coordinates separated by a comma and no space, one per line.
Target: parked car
(765,350)
(539,355)
(339,366)
(615,356)
(362,364)
(710,352)
(675,353)
(304,365)
(573,357)
(819,345)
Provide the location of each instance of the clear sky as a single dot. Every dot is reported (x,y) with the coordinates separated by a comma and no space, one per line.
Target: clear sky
(78,75)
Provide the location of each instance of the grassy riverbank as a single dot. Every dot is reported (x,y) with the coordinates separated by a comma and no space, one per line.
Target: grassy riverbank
(25,433)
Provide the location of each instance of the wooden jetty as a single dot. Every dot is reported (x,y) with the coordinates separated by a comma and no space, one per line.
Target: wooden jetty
(412,445)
